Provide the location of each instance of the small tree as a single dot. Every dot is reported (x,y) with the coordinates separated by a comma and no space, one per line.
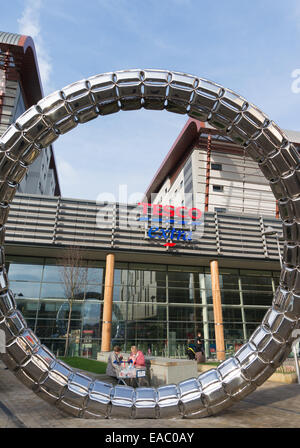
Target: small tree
(74,277)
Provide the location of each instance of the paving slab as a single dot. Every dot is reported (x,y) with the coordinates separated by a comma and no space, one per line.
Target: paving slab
(272,405)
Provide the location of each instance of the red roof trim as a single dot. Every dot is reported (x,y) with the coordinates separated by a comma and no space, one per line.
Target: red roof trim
(28,68)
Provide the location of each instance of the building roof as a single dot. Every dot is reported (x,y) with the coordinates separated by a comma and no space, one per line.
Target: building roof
(182,145)
(293,136)
(9,38)
(23,49)
(24,61)
(186,137)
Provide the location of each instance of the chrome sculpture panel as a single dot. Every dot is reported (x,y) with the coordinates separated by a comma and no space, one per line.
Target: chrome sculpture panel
(279,162)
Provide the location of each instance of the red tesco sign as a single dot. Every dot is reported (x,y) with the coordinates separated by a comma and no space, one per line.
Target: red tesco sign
(171,211)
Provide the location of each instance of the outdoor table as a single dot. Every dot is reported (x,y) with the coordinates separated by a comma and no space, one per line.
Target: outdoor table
(130,372)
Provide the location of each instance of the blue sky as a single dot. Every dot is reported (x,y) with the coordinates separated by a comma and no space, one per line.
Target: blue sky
(252,47)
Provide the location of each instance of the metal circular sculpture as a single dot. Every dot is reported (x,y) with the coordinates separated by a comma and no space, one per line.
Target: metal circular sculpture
(279,161)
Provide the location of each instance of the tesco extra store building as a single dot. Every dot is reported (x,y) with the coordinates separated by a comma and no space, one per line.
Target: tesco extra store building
(151,268)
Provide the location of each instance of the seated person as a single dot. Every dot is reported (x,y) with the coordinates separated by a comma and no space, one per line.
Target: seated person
(191,349)
(136,357)
(113,363)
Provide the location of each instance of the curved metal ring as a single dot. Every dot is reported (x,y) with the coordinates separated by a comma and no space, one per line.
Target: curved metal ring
(279,161)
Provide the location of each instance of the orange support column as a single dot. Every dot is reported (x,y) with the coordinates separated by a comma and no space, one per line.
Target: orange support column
(217,306)
(108,302)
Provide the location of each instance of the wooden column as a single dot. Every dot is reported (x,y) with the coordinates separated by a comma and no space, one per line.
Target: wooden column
(108,302)
(277,210)
(217,306)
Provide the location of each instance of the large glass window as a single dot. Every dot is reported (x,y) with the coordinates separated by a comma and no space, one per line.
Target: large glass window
(136,283)
(94,291)
(95,275)
(53,291)
(256,281)
(155,306)
(257,298)
(28,272)
(29,308)
(53,273)
(231,315)
(25,289)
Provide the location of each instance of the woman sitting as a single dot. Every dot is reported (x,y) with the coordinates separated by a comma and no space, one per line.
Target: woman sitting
(136,357)
(113,363)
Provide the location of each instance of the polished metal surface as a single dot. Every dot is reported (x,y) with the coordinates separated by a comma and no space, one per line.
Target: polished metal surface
(262,139)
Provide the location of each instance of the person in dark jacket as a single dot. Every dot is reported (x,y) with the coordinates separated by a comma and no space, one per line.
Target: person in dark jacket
(113,363)
(200,355)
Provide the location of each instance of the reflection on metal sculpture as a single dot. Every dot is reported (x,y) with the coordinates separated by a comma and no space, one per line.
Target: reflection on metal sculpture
(279,161)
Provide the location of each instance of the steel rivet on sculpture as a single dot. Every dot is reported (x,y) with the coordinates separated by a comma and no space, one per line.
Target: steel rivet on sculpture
(279,161)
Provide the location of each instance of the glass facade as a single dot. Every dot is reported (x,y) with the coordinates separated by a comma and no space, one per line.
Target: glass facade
(156,307)
(40,292)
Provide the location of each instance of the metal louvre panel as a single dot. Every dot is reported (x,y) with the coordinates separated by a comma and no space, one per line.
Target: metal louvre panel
(205,100)
(87,222)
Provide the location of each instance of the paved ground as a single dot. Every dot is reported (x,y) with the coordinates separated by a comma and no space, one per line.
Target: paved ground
(273,405)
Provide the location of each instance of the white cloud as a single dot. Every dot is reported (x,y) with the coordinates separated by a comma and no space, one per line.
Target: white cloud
(29,25)
(66,171)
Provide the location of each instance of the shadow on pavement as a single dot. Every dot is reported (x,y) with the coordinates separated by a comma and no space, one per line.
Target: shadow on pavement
(273,394)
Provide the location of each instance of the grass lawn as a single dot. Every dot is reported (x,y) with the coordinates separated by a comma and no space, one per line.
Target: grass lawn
(90,365)
(212,363)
